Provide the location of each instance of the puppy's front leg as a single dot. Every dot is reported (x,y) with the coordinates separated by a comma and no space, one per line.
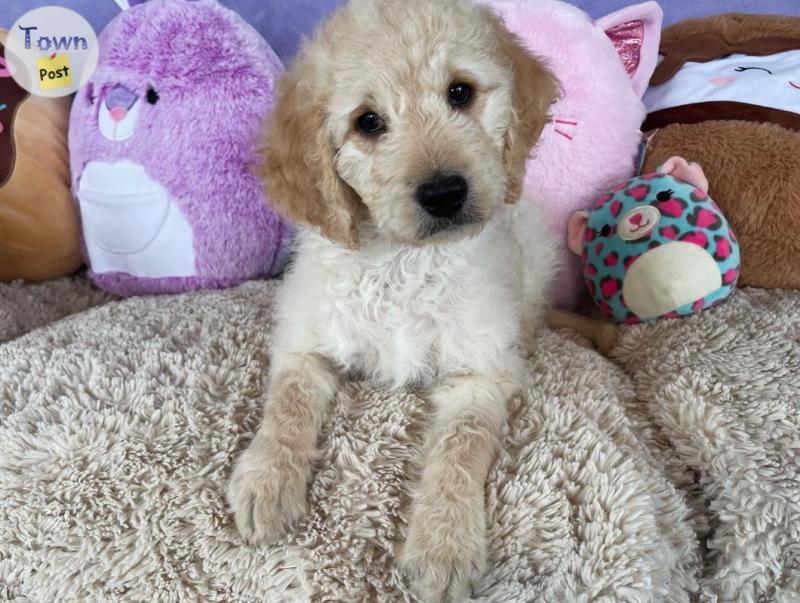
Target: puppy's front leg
(446,546)
(267,491)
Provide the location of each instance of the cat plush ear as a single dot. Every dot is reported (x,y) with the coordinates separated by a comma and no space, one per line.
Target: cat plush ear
(635,32)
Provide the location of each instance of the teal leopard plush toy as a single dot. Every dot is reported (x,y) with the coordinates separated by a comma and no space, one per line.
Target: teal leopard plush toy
(656,246)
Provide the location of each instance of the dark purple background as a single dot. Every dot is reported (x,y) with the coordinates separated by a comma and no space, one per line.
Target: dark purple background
(283,22)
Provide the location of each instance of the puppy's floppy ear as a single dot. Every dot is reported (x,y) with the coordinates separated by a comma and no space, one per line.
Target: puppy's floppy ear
(535,88)
(299,168)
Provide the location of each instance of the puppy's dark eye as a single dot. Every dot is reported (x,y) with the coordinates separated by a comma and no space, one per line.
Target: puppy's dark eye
(606,230)
(459,95)
(152,96)
(371,123)
(665,195)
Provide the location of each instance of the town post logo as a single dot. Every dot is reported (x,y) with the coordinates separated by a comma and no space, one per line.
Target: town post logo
(51,51)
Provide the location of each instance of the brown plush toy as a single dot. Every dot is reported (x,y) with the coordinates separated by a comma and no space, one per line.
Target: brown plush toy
(39,232)
(727,95)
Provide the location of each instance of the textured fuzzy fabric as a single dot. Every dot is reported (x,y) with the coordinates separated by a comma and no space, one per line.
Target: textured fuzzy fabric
(119,425)
(24,307)
(724,388)
(733,28)
(593,142)
(215,78)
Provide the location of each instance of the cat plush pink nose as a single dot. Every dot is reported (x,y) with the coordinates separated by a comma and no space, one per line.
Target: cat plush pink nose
(635,219)
(118,113)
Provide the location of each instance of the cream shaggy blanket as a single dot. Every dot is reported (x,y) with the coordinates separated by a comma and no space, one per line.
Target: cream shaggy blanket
(671,473)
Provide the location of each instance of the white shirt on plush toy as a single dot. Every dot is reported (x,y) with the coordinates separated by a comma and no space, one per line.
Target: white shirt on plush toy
(768,81)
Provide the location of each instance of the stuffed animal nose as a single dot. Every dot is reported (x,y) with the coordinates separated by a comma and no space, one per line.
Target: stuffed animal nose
(119,101)
(118,113)
(635,219)
(443,196)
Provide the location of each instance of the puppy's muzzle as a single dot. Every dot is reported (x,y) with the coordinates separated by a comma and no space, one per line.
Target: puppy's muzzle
(443,196)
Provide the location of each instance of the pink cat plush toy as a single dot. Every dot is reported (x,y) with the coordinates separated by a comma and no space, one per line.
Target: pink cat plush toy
(593,141)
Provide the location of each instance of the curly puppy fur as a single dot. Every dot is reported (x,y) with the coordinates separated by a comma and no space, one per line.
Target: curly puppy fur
(382,288)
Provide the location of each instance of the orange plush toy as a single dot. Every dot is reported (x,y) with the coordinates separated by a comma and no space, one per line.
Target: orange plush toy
(39,231)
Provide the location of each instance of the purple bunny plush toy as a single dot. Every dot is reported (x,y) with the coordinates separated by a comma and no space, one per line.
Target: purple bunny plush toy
(163,143)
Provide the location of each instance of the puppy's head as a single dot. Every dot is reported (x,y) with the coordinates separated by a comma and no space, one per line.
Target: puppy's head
(410,119)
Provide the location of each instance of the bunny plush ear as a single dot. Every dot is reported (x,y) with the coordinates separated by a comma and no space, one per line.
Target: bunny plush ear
(635,32)
(126,4)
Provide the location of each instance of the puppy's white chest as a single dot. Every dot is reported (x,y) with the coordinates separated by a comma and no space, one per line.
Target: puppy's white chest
(400,325)
(407,316)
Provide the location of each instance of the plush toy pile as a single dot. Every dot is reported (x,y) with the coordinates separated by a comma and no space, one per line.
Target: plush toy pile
(164,139)
(727,95)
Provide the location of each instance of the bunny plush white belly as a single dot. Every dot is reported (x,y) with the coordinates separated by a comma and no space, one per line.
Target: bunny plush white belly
(131,224)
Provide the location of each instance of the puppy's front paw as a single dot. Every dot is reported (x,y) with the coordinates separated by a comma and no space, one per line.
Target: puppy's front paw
(267,491)
(444,555)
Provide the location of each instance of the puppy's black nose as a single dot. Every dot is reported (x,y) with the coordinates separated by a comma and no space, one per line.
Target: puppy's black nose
(443,196)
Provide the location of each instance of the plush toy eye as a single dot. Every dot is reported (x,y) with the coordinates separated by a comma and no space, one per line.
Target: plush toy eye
(371,123)
(459,95)
(665,195)
(742,69)
(606,230)
(152,96)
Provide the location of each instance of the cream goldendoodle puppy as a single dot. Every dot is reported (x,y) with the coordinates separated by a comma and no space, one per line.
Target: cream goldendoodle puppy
(399,140)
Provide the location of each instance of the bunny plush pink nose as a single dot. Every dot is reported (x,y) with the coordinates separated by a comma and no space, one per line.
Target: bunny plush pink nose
(635,219)
(119,101)
(118,113)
